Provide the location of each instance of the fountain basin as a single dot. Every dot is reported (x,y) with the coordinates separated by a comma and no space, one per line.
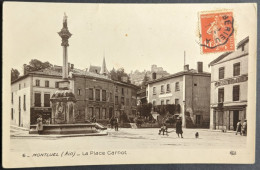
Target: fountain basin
(58,129)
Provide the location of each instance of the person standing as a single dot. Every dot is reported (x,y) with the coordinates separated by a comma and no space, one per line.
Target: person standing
(39,127)
(244,128)
(239,127)
(112,122)
(116,123)
(179,127)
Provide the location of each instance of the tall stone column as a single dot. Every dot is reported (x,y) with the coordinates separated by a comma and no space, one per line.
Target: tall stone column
(63,100)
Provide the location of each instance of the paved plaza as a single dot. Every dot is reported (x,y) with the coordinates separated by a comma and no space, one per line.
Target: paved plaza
(131,139)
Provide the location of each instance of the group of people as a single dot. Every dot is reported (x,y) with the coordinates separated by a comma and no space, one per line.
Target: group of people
(241,128)
(114,123)
(164,129)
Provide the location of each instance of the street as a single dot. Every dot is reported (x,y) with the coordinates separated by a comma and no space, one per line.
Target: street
(132,139)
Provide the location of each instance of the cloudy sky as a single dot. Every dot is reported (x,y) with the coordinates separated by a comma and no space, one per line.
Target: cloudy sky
(132,36)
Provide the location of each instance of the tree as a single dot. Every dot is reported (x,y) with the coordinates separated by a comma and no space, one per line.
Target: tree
(35,65)
(145,80)
(145,109)
(171,108)
(118,74)
(14,74)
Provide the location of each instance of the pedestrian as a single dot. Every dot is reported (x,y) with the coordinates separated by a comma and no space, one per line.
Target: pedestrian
(238,130)
(244,128)
(116,123)
(39,126)
(179,127)
(112,122)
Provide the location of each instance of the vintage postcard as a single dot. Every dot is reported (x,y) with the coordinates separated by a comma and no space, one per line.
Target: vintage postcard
(101,84)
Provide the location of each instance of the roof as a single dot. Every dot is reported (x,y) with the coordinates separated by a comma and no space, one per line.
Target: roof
(94,69)
(221,57)
(181,73)
(242,42)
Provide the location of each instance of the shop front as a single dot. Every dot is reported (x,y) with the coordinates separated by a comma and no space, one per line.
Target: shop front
(227,117)
(44,112)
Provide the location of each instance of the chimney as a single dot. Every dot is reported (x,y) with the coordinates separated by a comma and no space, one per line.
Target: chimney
(24,69)
(72,66)
(200,67)
(154,75)
(186,67)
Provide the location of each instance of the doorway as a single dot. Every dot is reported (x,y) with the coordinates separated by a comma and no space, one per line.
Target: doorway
(235,118)
(110,112)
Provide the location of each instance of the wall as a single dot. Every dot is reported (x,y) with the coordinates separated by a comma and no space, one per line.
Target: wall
(198,98)
(25,112)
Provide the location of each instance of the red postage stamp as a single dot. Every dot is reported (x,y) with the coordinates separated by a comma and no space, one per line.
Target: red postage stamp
(217,32)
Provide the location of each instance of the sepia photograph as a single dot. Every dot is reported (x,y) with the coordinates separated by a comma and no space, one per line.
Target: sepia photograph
(106,84)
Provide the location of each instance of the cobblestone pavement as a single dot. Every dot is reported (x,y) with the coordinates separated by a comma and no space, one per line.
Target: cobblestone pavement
(132,139)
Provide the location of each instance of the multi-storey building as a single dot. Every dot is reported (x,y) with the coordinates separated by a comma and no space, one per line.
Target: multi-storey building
(96,94)
(229,75)
(30,95)
(190,89)
(125,99)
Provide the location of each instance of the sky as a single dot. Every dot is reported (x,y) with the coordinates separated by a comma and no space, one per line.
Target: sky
(132,36)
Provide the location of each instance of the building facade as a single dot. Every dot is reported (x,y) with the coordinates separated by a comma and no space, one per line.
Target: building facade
(96,94)
(190,89)
(30,96)
(229,84)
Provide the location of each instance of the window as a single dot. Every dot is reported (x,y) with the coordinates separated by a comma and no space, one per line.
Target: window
(46,83)
(236,91)
(46,100)
(19,86)
(177,86)
(12,98)
(154,103)
(24,85)
(221,73)
(97,95)
(98,116)
(162,102)
(24,102)
(162,88)
(37,99)
(79,92)
(198,118)
(12,114)
(116,98)
(221,95)
(91,94)
(122,100)
(154,90)
(37,83)
(236,69)
(123,91)
(104,96)
(56,84)
(167,101)
(177,101)
(104,113)
(111,97)
(127,102)
(195,84)
(168,89)
(127,91)
(91,113)
(116,89)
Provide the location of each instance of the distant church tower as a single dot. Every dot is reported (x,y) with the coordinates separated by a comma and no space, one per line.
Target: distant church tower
(104,70)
